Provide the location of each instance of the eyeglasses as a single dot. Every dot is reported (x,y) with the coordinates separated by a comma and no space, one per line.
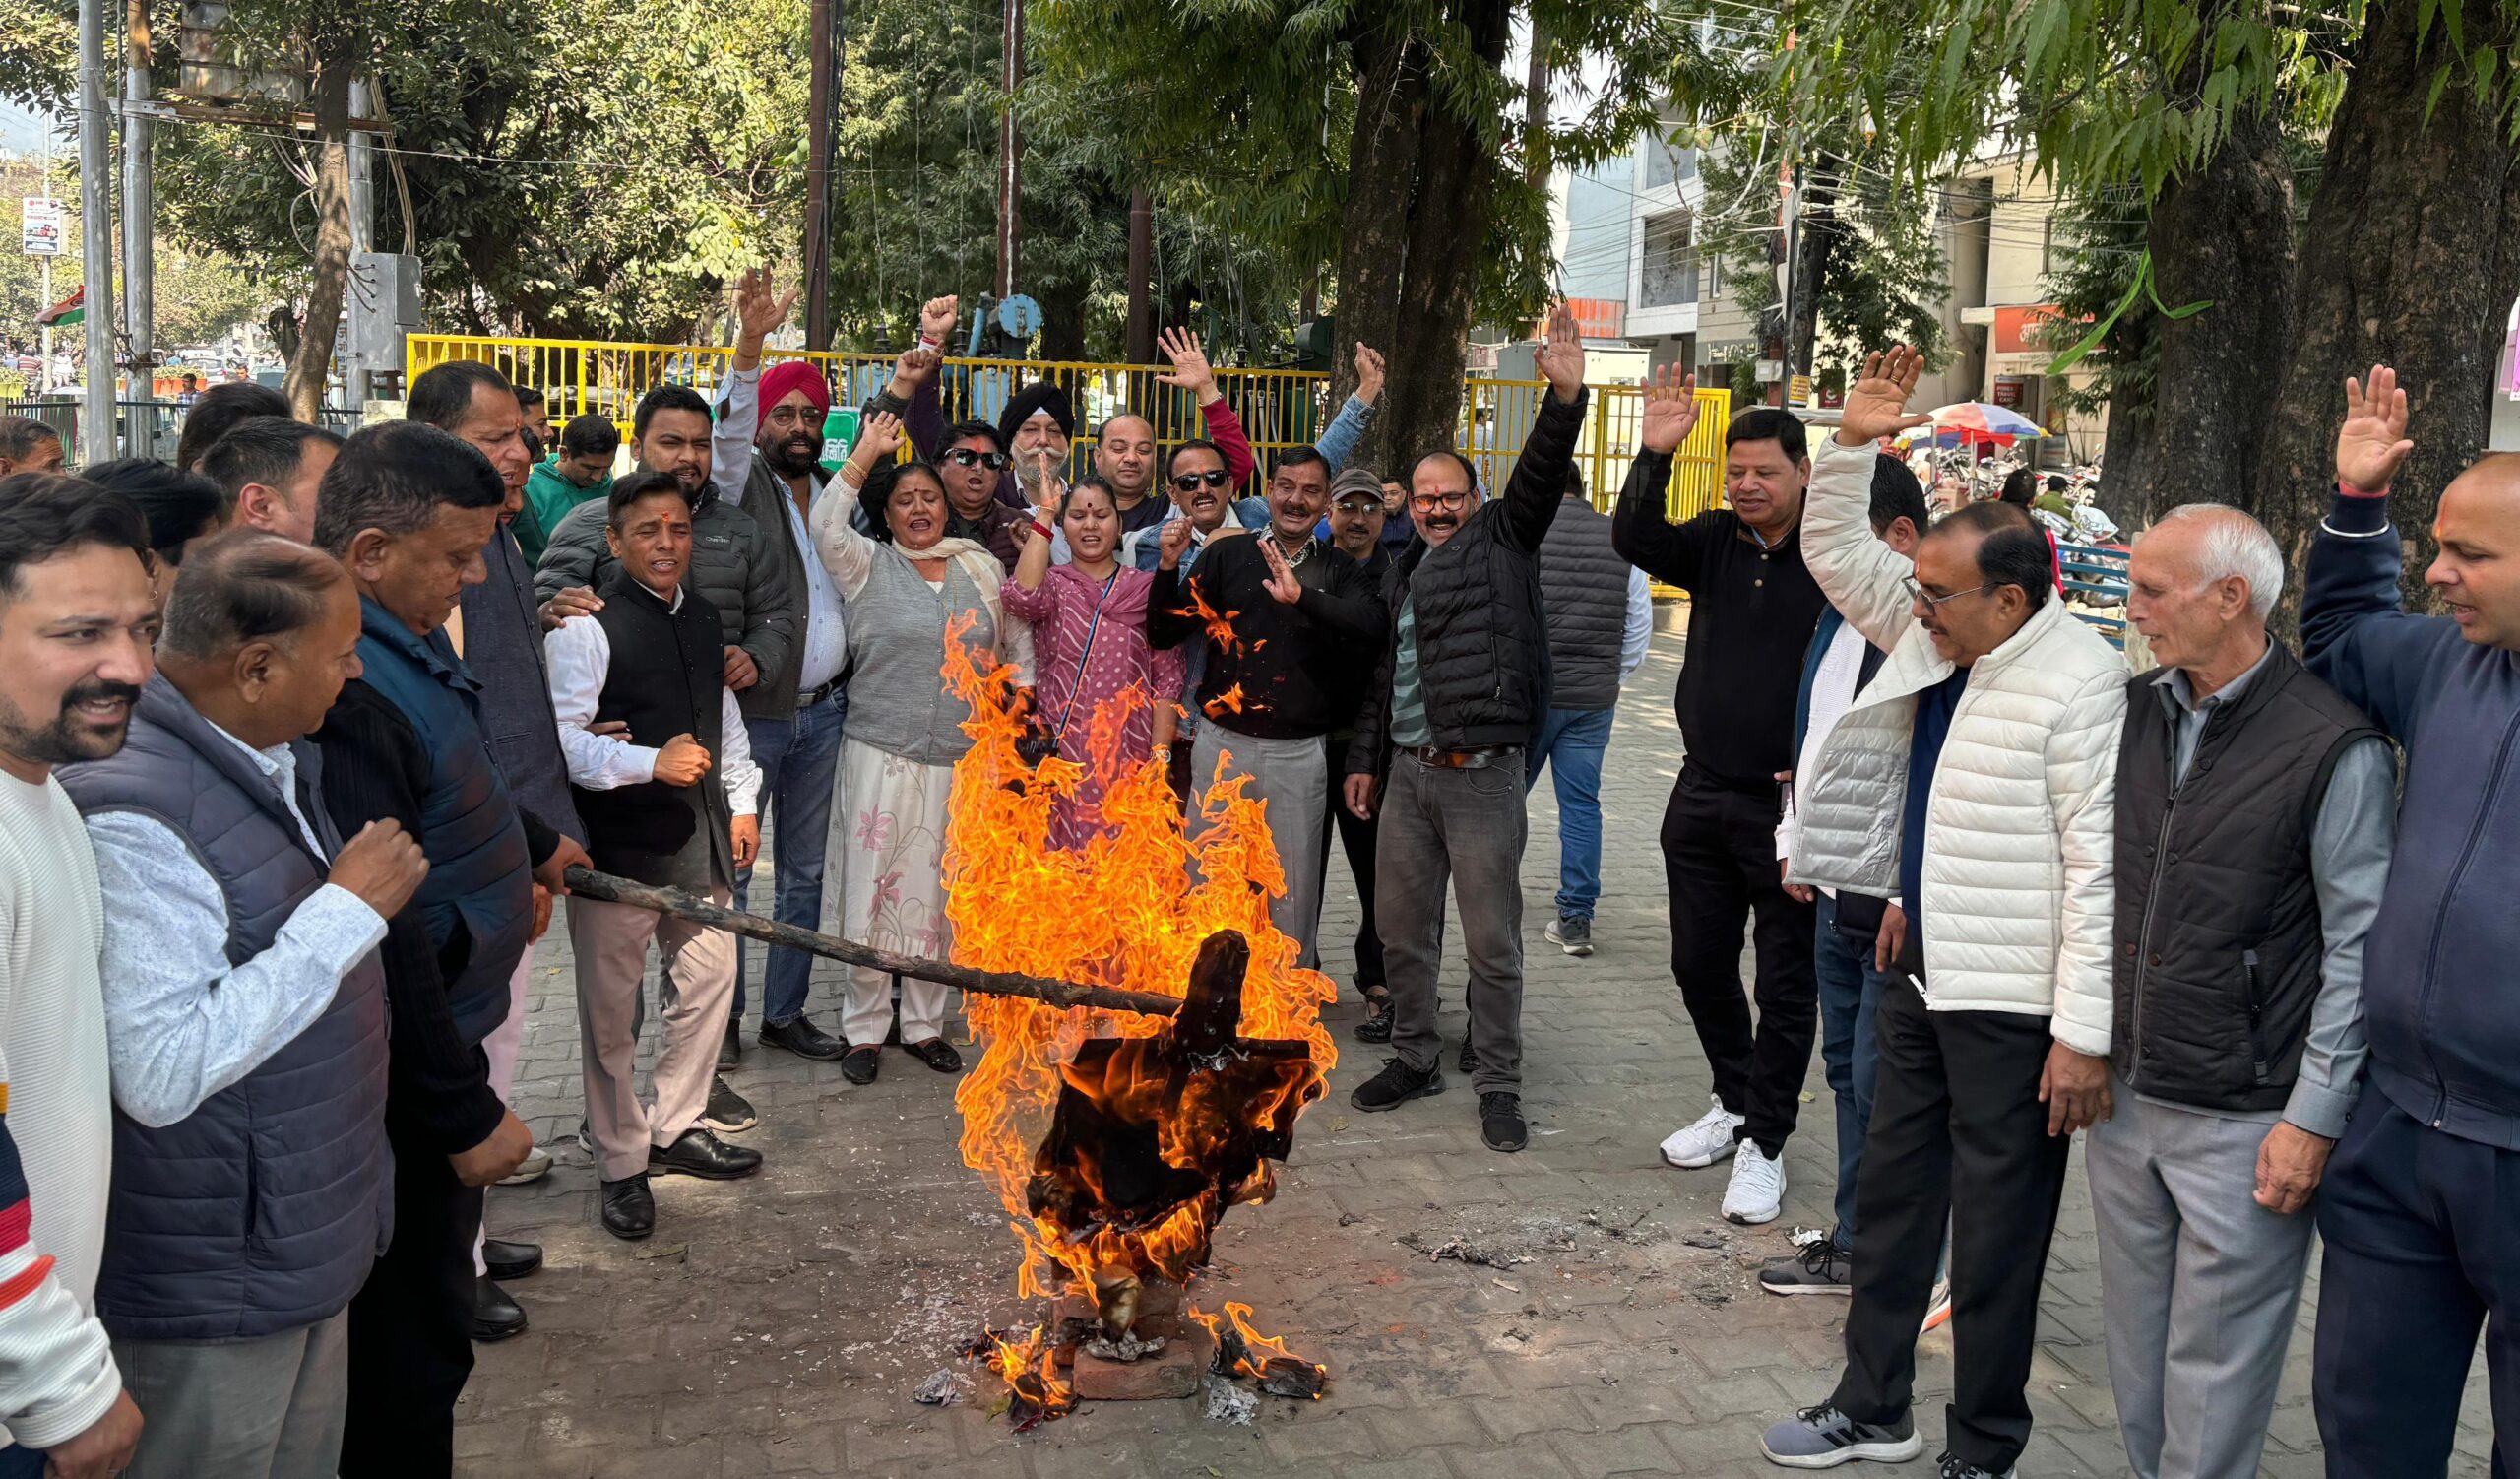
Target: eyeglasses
(965,457)
(1917,592)
(1427,503)
(1188,483)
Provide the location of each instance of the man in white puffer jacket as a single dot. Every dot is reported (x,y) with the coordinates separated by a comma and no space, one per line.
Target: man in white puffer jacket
(1974,779)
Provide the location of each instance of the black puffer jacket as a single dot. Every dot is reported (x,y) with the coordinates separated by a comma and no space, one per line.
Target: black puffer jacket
(760,596)
(1482,638)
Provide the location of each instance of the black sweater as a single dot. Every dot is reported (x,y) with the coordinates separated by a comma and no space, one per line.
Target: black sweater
(437,1084)
(1752,613)
(1290,671)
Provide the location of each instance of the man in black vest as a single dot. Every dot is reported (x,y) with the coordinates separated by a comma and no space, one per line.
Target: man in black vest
(651,659)
(1459,695)
(1600,618)
(2255,809)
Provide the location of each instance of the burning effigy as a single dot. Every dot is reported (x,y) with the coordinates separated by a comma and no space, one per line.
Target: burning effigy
(1116,1141)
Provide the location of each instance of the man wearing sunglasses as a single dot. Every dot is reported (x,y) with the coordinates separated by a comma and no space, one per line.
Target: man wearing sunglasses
(1456,704)
(971,467)
(1975,778)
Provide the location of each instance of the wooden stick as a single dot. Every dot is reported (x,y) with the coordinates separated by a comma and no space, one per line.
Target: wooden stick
(680,905)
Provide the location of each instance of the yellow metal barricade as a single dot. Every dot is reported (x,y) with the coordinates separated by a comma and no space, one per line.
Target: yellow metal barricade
(1278,408)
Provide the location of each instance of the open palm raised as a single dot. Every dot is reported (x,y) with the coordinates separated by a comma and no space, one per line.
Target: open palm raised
(1877,402)
(2372,444)
(1670,411)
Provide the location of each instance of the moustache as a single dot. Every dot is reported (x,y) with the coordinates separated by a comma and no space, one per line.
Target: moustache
(98,690)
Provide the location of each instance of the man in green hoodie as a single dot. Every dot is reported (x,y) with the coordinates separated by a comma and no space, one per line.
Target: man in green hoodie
(581,472)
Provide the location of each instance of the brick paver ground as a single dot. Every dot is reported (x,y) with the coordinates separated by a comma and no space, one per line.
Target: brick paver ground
(780,1325)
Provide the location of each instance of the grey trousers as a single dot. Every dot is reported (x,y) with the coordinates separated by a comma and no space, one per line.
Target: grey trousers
(2199,1284)
(1466,827)
(269,1408)
(1291,778)
(695,987)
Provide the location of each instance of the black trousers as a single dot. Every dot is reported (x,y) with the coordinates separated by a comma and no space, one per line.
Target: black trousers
(1956,1118)
(411,1340)
(1719,859)
(1357,839)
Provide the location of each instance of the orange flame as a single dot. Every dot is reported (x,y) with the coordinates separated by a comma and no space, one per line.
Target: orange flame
(1254,1354)
(1129,908)
(1031,1370)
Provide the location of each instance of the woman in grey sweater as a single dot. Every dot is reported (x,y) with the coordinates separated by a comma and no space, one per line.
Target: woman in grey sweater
(905,580)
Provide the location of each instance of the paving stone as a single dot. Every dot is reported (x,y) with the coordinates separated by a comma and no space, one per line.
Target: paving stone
(779,1325)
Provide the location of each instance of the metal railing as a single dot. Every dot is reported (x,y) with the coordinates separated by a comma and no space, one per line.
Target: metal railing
(1278,408)
(142,428)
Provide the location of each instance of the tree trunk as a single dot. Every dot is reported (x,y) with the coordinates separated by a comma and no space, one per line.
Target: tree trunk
(2223,234)
(336,54)
(1447,243)
(2409,261)
(1373,222)
(2127,461)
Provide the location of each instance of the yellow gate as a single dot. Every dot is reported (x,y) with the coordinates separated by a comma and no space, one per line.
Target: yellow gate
(1278,408)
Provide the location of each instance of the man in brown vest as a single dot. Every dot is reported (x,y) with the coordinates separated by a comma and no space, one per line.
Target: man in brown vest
(2255,811)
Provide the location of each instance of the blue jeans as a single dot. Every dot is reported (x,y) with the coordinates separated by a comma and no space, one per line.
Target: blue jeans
(1571,744)
(799,760)
(1849,993)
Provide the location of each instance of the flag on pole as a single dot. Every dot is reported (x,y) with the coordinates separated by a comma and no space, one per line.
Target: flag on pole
(70,310)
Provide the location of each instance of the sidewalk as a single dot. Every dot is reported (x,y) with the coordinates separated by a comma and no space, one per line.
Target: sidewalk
(1576,1311)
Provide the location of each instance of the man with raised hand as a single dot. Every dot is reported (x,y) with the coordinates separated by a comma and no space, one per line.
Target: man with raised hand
(2419,1211)
(2255,809)
(1973,778)
(1457,698)
(764,459)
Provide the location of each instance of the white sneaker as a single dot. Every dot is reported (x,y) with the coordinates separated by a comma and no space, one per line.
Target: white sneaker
(536,1165)
(1757,1190)
(1705,1142)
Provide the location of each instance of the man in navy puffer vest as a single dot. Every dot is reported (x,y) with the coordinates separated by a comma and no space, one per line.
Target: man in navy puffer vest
(245,1020)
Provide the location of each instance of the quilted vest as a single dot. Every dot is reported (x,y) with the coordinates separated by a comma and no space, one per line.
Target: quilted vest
(2219,941)
(1583,589)
(262,1210)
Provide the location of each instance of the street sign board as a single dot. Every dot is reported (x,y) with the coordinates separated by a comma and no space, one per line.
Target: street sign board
(40,227)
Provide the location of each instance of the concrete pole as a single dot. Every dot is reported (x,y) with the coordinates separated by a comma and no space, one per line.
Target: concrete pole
(95,233)
(1010,153)
(354,367)
(138,203)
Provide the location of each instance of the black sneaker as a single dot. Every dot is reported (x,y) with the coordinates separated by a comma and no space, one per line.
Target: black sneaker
(1500,1122)
(1953,1466)
(728,1113)
(1822,1266)
(1469,1059)
(1396,1086)
(1376,1027)
(1822,1438)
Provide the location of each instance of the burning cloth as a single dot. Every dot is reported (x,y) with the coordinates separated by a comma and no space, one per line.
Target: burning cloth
(1148,1129)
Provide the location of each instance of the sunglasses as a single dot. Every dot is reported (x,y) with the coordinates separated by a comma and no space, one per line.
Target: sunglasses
(1188,483)
(1427,503)
(965,457)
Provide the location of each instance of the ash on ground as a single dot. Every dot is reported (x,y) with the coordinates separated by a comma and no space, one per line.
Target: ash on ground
(1535,1237)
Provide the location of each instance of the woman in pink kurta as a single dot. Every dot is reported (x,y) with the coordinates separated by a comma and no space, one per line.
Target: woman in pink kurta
(1090,648)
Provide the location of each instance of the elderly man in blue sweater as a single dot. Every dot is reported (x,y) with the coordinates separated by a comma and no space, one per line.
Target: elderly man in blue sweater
(2420,1211)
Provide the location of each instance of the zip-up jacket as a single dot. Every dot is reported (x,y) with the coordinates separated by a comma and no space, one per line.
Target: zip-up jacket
(2445,1037)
